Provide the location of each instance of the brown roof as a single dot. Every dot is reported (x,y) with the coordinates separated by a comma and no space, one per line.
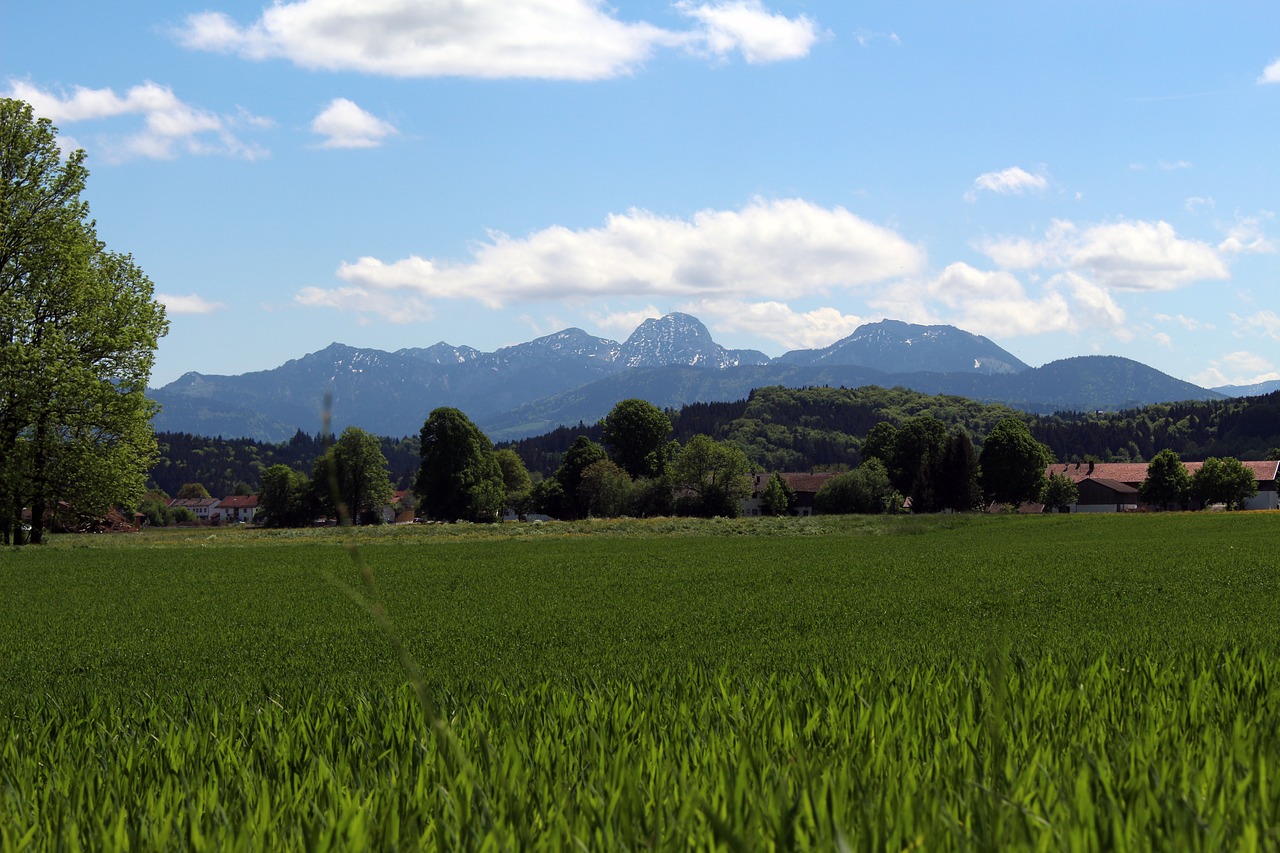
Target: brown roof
(1114,485)
(1136,472)
(192,503)
(798,482)
(240,502)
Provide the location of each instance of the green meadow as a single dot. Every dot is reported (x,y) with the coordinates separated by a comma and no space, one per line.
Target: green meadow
(951,682)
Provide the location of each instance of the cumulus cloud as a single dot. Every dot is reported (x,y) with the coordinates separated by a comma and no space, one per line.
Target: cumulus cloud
(191,303)
(776,321)
(1246,237)
(992,303)
(772,249)
(1011,181)
(1271,74)
(1126,255)
(170,126)
(747,26)
(562,40)
(1237,368)
(345,125)
(623,322)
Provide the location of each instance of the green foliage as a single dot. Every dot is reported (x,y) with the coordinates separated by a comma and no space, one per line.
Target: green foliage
(516,483)
(581,454)
(604,490)
(78,332)
(460,477)
(778,498)
(1225,481)
(635,432)
(866,490)
(193,491)
(1013,463)
(711,478)
(1168,481)
(350,480)
(957,475)
(1060,491)
(286,497)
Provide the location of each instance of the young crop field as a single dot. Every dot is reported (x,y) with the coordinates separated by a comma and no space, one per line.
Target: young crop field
(1043,683)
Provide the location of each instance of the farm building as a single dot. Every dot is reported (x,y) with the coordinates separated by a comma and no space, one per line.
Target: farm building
(1113,486)
(805,487)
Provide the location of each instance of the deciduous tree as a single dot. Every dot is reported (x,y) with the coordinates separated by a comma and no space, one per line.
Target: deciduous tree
(711,477)
(78,332)
(634,432)
(1226,481)
(1013,463)
(459,477)
(1168,481)
(351,477)
(865,490)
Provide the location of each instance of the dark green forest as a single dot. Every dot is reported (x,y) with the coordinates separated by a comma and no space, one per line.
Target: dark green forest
(795,429)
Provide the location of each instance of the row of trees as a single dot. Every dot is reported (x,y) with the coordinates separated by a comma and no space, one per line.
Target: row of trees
(939,469)
(349,481)
(78,333)
(638,471)
(1217,481)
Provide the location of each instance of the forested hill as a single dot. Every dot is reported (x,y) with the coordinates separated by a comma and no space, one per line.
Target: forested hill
(797,430)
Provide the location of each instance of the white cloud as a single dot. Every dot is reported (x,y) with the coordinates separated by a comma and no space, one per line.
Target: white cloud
(1126,255)
(395,307)
(772,249)
(1163,339)
(1191,324)
(1237,368)
(865,38)
(1012,181)
(776,321)
(1197,203)
(170,126)
(1246,237)
(191,303)
(1271,74)
(1265,323)
(623,322)
(746,26)
(345,125)
(548,39)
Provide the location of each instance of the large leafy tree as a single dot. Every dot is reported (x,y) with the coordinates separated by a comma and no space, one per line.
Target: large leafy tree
(1224,481)
(866,490)
(581,454)
(635,432)
(78,332)
(956,476)
(459,477)
(711,477)
(351,477)
(285,497)
(1168,481)
(1013,463)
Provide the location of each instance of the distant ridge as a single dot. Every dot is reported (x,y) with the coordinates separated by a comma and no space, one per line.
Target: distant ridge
(571,375)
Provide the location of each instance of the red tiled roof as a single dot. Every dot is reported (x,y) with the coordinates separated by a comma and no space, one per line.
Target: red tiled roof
(240,502)
(798,482)
(1136,472)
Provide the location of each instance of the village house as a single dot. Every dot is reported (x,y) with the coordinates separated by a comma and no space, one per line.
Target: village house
(1113,486)
(235,509)
(204,509)
(805,487)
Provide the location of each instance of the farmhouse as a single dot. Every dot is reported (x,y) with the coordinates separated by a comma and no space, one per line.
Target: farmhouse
(204,509)
(235,509)
(1113,486)
(805,487)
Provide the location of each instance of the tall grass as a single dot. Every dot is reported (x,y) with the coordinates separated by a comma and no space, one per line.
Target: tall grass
(959,684)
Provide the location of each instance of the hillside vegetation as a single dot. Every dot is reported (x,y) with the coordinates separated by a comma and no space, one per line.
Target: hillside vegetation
(799,430)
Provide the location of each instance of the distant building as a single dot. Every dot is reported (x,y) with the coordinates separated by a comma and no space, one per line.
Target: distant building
(805,487)
(236,509)
(1113,486)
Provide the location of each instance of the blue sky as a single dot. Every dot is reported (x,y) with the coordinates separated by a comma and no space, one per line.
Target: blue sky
(1065,178)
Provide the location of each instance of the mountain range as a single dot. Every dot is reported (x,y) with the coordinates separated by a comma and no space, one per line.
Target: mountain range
(572,376)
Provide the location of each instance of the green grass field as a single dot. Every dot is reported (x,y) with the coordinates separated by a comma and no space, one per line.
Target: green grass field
(1066,682)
